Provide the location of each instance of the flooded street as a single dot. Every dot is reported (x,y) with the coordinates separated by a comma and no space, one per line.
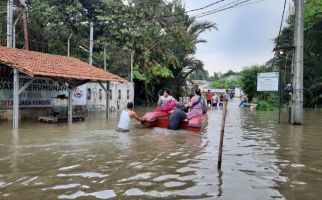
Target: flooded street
(90,160)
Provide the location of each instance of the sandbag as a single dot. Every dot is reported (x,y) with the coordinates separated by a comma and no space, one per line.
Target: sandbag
(152,116)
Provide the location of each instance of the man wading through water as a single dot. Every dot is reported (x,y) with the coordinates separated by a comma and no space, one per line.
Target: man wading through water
(125,119)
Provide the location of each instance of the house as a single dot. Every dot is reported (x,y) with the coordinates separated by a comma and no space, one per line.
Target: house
(30,80)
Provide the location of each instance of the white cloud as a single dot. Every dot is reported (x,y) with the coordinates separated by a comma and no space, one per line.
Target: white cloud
(216,62)
(245,35)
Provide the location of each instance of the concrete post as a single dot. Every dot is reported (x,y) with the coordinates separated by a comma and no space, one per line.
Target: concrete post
(15,100)
(70,106)
(297,109)
(132,63)
(15,110)
(90,60)
(105,45)
(107,99)
(9,23)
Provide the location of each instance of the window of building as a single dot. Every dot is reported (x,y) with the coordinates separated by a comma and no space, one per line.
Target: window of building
(110,94)
(119,94)
(100,94)
(89,93)
(128,94)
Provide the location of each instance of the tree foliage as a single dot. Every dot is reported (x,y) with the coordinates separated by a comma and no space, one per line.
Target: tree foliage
(249,84)
(161,34)
(249,80)
(283,62)
(199,74)
(225,84)
(312,51)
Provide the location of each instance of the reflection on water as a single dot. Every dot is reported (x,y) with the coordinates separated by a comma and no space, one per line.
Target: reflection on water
(89,160)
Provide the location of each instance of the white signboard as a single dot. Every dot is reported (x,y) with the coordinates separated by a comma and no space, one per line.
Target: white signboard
(39,93)
(267,81)
(79,95)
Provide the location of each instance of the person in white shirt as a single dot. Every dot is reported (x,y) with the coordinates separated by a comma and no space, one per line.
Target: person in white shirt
(214,100)
(166,97)
(125,118)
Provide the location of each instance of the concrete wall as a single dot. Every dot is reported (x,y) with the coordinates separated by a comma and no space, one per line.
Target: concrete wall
(121,94)
(25,113)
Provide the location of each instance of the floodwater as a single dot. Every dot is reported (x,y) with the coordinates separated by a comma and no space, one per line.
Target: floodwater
(89,160)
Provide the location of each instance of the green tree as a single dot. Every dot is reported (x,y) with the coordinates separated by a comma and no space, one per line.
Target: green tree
(225,84)
(249,80)
(162,34)
(199,74)
(312,52)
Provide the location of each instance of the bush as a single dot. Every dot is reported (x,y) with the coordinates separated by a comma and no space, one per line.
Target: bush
(264,106)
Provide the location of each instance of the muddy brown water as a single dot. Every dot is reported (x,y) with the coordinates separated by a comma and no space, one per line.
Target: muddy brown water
(89,160)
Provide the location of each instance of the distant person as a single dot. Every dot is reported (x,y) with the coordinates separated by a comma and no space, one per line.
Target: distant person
(214,101)
(226,95)
(125,119)
(243,100)
(208,97)
(221,101)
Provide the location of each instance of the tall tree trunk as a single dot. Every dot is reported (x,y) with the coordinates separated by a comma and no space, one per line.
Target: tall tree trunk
(25,23)
(146,93)
(25,29)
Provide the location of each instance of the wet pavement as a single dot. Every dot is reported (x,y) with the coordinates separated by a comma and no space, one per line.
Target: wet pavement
(90,160)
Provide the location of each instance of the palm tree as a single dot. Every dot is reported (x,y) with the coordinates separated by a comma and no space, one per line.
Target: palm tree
(188,63)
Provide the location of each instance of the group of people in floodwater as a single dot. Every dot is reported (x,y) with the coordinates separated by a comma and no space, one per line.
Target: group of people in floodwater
(194,107)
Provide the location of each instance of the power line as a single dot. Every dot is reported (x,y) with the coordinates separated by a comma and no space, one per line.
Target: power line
(222,8)
(230,5)
(188,11)
(280,30)
(234,4)
(246,4)
(273,62)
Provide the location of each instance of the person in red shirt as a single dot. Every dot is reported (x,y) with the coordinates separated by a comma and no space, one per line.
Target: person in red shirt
(208,97)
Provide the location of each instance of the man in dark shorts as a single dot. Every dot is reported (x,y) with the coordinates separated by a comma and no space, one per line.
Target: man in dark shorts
(176,117)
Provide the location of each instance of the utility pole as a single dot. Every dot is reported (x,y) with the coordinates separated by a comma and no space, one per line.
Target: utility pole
(9,23)
(132,63)
(90,60)
(297,109)
(105,46)
(15,110)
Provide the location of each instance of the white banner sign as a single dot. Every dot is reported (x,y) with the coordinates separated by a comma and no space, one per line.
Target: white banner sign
(39,93)
(267,81)
(79,95)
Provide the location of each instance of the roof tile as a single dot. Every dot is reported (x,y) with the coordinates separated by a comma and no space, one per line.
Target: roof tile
(42,64)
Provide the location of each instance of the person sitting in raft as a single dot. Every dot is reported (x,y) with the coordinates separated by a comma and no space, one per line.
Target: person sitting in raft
(166,97)
(125,119)
(195,105)
(166,102)
(177,116)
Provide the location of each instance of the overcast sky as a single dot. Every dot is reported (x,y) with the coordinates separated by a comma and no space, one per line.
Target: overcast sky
(244,37)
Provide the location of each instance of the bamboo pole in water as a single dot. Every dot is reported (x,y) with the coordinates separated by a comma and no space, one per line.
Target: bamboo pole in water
(222,131)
